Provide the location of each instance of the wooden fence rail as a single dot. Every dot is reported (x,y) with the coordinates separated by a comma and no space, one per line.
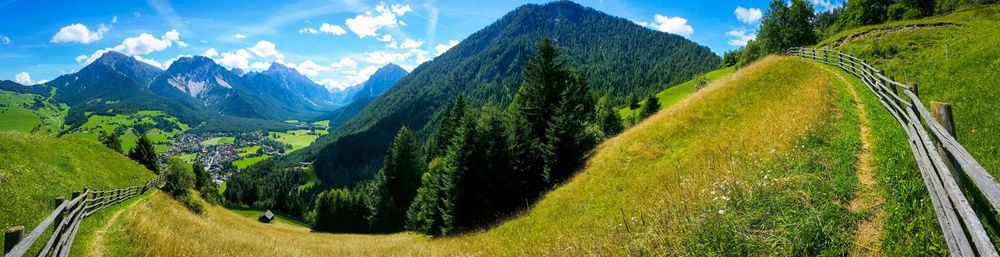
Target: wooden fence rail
(67,217)
(942,161)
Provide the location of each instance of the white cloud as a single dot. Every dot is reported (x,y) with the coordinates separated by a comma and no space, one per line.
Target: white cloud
(23,78)
(740,37)
(411,44)
(308,31)
(145,43)
(114,19)
(265,48)
(344,62)
(332,29)
(239,59)
(79,33)
(382,57)
(311,69)
(673,25)
(259,66)
(748,15)
(441,48)
(368,24)
(357,76)
(4,40)
(239,36)
(149,61)
(210,53)
(331,84)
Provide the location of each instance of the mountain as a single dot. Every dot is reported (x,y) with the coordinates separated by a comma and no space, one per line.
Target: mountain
(200,83)
(344,95)
(298,95)
(615,55)
(383,79)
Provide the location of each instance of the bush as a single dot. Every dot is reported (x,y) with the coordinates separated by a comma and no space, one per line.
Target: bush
(179,180)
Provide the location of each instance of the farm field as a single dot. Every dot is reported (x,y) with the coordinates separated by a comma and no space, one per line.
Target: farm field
(154,123)
(298,139)
(30,113)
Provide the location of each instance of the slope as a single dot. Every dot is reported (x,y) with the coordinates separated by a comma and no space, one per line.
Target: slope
(954,59)
(37,169)
(737,168)
(612,53)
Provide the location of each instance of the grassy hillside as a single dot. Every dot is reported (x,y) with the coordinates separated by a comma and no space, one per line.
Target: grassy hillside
(737,168)
(674,94)
(159,127)
(954,58)
(37,169)
(30,113)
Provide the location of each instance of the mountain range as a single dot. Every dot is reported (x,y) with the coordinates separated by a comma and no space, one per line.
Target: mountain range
(197,90)
(617,57)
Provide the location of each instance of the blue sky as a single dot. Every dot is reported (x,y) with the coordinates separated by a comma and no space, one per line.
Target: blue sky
(338,43)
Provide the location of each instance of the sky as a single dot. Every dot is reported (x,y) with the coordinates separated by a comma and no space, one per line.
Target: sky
(338,43)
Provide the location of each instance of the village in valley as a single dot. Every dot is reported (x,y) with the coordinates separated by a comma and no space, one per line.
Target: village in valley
(224,154)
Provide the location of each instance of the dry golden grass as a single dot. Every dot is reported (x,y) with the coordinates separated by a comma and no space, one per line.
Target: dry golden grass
(643,192)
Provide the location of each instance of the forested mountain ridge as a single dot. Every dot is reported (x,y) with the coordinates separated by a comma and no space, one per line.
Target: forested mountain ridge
(382,80)
(613,54)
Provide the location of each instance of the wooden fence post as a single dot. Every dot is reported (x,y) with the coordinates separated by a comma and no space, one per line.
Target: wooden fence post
(11,237)
(916,90)
(59,201)
(942,113)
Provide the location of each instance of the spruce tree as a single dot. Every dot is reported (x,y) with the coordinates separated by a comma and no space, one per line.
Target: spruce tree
(652,106)
(455,167)
(144,154)
(424,214)
(441,138)
(396,183)
(202,179)
(111,140)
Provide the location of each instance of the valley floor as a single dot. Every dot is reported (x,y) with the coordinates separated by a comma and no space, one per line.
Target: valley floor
(765,161)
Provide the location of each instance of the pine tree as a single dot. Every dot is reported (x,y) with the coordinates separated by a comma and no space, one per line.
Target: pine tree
(441,138)
(144,154)
(608,119)
(111,140)
(202,179)
(396,183)
(455,167)
(652,106)
(424,214)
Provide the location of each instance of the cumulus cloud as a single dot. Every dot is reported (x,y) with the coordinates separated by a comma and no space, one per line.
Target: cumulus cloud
(239,36)
(332,29)
(740,37)
(79,33)
(357,76)
(239,59)
(344,62)
(265,48)
(4,40)
(441,48)
(411,44)
(143,44)
(368,24)
(748,15)
(672,25)
(210,53)
(23,78)
(383,57)
(310,68)
(259,65)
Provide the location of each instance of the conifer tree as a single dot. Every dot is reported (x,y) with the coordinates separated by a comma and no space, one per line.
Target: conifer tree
(652,106)
(144,154)
(424,215)
(396,183)
(111,140)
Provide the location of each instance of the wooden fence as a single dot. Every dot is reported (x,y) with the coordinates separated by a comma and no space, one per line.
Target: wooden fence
(946,167)
(67,217)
